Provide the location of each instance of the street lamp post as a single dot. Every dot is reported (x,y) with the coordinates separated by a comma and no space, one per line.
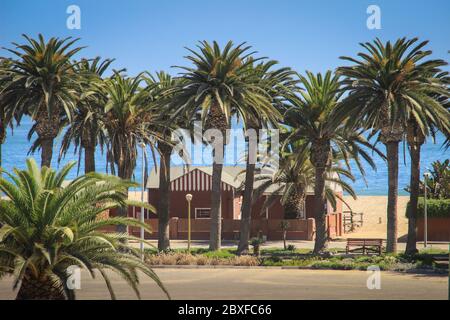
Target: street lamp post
(189,199)
(425,218)
(142,145)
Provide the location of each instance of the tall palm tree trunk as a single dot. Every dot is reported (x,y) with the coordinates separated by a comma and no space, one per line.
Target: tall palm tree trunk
(415,140)
(122,212)
(164,197)
(247,201)
(295,206)
(320,210)
(89,159)
(47,128)
(88,142)
(2,140)
(217,121)
(216,207)
(320,158)
(124,172)
(392,159)
(411,246)
(39,289)
(46,152)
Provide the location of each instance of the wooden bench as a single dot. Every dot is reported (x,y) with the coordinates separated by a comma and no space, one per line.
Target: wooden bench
(364,245)
(441,260)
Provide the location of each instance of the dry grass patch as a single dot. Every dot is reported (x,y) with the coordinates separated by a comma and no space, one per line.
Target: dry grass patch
(176,258)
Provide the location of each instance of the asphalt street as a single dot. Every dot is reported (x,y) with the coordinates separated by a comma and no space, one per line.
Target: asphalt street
(260,283)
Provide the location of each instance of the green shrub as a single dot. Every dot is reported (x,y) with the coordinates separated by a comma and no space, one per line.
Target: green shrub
(224,253)
(436,208)
(438,184)
(256,241)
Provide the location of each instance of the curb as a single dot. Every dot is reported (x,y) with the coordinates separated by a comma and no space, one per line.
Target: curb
(412,271)
(169,266)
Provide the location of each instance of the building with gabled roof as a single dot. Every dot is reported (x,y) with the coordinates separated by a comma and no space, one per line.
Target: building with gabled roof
(197,180)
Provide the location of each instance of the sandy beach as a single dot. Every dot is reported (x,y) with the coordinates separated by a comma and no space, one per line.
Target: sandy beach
(374,209)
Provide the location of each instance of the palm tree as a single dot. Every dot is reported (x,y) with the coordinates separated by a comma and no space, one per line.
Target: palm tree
(390,85)
(218,86)
(5,115)
(160,91)
(277,83)
(129,121)
(312,120)
(85,129)
(438,184)
(291,176)
(47,227)
(415,136)
(43,86)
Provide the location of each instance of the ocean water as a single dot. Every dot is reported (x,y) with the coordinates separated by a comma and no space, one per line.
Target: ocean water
(17,146)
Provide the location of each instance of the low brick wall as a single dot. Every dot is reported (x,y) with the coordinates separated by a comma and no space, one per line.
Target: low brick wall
(438,229)
(298,229)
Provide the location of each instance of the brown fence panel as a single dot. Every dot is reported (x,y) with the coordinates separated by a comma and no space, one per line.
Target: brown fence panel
(152,223)
(438,229)
(259,226)
(199,229)
(299,229)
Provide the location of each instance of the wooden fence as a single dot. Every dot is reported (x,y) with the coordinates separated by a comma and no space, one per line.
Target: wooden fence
(299,229)
(438,229)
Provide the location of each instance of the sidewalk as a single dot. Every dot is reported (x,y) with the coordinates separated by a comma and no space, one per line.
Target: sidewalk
(299,244)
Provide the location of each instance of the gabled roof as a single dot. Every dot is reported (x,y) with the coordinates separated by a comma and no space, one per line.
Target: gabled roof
(233,176)
(230,174)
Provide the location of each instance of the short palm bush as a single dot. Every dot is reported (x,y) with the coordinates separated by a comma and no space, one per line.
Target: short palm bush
(256,242)
(438,184)
(46,227)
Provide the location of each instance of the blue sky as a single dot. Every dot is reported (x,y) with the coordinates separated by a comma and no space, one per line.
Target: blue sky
(151,35)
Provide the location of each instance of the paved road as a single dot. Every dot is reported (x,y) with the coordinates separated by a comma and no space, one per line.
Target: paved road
(271,284)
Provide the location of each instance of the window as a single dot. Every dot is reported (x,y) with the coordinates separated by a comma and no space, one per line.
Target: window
(137,213)
(202,213)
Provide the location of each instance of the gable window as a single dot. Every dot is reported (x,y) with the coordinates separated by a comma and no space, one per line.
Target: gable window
(202,213)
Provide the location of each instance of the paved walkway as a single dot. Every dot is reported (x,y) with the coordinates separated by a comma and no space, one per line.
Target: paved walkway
(269,284)
(299,244)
